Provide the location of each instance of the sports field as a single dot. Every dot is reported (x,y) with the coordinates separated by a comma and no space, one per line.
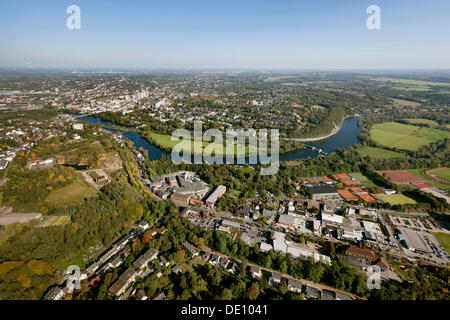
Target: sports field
(444,240)
(394,199)
(53,221)
(402,176)
(422,173)
(378,153)
(405,136)
(444,174)
(363,179)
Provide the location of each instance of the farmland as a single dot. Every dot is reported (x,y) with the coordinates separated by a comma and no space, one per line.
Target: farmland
(422,121)
(396,199)
(413,82)
(404,136)
(378,153)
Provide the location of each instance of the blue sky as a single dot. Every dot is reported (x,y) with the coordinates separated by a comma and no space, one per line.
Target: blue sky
(320,34)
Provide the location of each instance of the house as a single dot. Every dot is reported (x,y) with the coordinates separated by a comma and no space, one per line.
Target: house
(342,296)
(206,256)
(214,259)
(122,283)
(219,192)
(270,214)
(140,295)
(327,295)
(232,268)
(265,247)
(311,292)
(382,264)
(145,258)
(160,296)
(275,279)
(365,254)
(255,272)
(115,263)
(164,261)
(55,293)
(191,251)
(176,269)
(143,225)
(294,285)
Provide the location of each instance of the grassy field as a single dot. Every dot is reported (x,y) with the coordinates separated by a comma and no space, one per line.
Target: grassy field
(413,82)
(422,121)
(445,174)
(53,221)
(444,240)
(404,136)
(378,153)
(72,193)
(363,179)
(396,199)
(421,173)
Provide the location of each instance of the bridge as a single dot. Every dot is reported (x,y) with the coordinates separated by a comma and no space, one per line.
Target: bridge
(320,151)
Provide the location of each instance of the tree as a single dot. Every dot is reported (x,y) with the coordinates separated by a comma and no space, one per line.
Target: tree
(227,294)
(254,291)
(180,256)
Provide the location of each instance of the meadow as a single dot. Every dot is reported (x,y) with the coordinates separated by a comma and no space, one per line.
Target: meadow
(404,136)
(378,153)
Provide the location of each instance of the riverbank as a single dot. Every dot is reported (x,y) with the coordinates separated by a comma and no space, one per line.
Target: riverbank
(335,130)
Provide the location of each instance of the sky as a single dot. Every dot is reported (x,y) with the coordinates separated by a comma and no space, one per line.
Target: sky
(248,34)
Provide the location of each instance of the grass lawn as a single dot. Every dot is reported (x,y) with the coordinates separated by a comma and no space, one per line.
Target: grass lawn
(396,199)
(421,173)
(378,153)
(444,240)
(245,169)
(445,174)
(363,179)
(405,136)
(52,221)
(422,121)
(72,193)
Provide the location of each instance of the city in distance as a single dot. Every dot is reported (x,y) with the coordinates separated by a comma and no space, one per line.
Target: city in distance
(201,174)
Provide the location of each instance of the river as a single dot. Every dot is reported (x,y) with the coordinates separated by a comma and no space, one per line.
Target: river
(346,136)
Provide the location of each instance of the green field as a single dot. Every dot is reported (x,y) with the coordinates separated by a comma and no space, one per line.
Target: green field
(53,221)
(396,199)
(72,193)
(444,240)
(414,82)
(378,153)
(405,136)
(443,174)
(422,173)
(363,179)
(422,121)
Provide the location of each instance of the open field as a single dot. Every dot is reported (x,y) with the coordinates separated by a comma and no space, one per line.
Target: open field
(406,103)
(276,79)
(413,82)
(443,173)
(71,193)
(444,240)
(363,179)
(404,136)
(422,173)
(422,121)
(402,176)
(394,199)
(378,153)
(53,221)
